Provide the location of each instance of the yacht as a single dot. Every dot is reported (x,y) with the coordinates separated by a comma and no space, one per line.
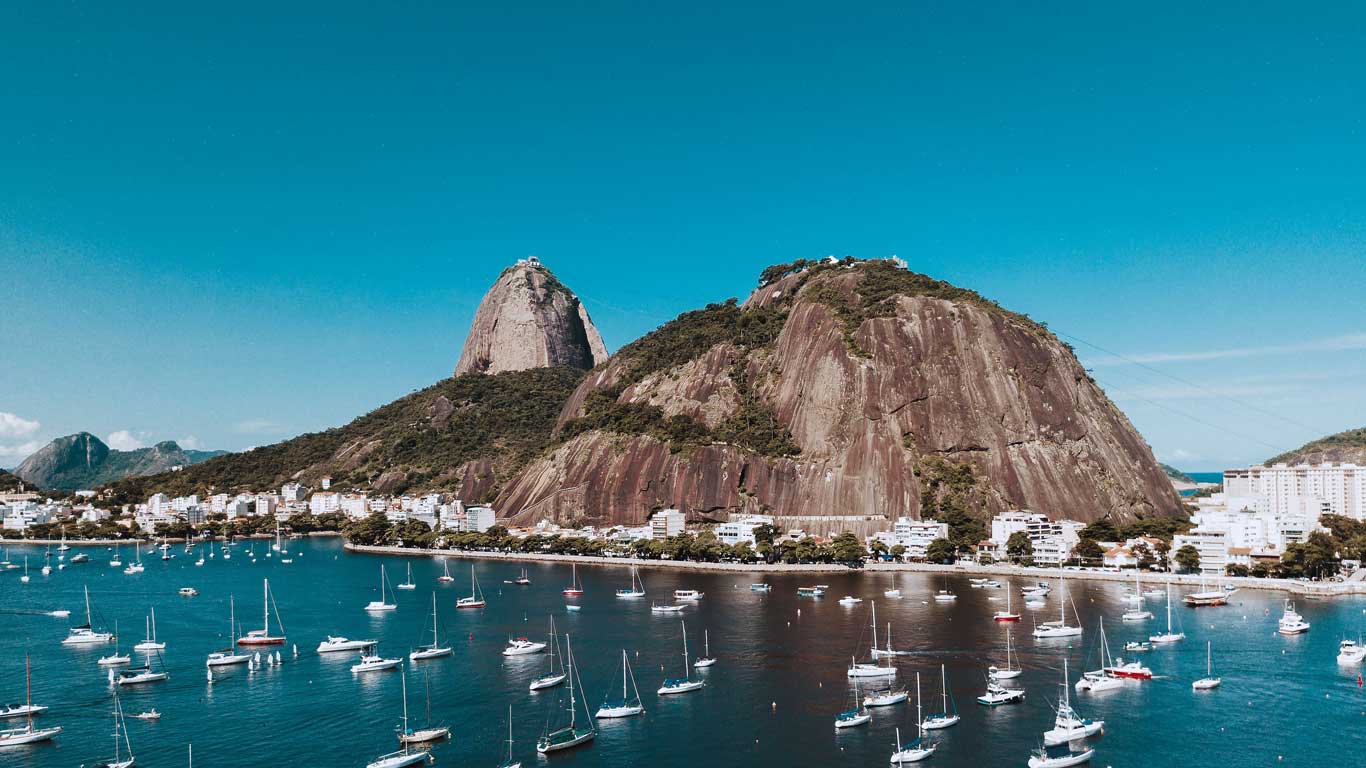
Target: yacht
(1351,652)
(336,644)
(760,587)
(636,590)
(850,600)
(666,608)
(687,594)
(886,697)
(1139,615)
(810,592)
(685,683)
(1291,623)
(852,718)
(521,646)
(370,662)
(949,716)
(1041,759)
(998,694)
(1068,726)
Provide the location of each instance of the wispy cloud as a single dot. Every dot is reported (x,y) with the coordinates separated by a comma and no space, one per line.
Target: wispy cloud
(1330,344)
(256,427)
(14,431)
(12,426)
(125,440)
(190,443)
(11,454)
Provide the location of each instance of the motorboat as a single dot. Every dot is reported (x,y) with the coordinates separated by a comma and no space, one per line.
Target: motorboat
(1291,623)
(1137,615)
(666,608)
(1132,670)
(188,592)
(521,646)
(688,594)
(1351,652)
(337,644)
(760,587)
(374,663)
(810,592)
(998,694)
(1069,726)
(150,714)
(1041,759)
(1137,646)
(850,600)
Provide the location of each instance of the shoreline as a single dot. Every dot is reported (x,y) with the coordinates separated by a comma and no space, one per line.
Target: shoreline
(1308,589)
(153,540)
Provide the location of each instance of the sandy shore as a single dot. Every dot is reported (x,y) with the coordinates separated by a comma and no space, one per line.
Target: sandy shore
(1314,589)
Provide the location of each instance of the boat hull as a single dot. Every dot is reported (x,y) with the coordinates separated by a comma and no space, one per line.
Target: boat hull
(430,653)
(27,736)
(556,742)
(609,713)
(683,687)
(1062,761)
(549,681)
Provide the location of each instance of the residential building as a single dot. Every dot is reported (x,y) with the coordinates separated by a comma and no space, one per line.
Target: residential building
(324,502)
(735,531)
(293,492)
(1339,489)
(479,519)
(914,535)
(1052,541)
(666,523)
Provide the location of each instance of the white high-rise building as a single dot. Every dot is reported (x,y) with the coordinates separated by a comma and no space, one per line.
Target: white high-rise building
(914,535)
(666,523)
(1338,488)
(735,531)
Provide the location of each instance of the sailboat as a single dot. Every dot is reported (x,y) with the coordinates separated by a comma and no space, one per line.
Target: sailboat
(262,636)
(24,579)
(84,634)
(136,566)
(949,717)
(405,755)
(1068,725)
(409,583)
(686,683)
(1008,614)
(522,580)
(445,576)
(1209,681)
(407,735)
(115,659)
(917,750)
(436,649)
(637,588)
(229,656)
(140,675)
(382,604)
(150,644)
(509,762)
(1059,628)
(523,646)
(629,704)
(569,735)
(1169,636)
(944,595)
(13,737)
(1206,597)
(864,669)
(888,650)
(63,547)
(123,757)
(115,561)
(1101,679)
(575,587)
(476,598)
(706,659)
(852,718)
(1010,670)
(556,673)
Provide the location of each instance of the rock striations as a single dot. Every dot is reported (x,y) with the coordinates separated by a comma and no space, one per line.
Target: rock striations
(528,319)
(842,391)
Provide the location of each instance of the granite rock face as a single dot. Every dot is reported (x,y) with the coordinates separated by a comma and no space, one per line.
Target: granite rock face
(529,319)
(888,392)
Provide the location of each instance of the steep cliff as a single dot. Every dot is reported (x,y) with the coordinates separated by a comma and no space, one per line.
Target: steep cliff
(843,390)
(528,319)
(1346,447)
(84,461)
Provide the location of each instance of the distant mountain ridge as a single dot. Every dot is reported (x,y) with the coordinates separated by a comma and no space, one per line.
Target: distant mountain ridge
(84,461)
(1347,447)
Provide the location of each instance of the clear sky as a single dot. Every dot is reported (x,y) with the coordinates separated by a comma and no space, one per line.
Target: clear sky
(230,226)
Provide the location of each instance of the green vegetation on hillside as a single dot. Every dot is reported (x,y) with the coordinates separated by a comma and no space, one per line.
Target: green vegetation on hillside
(1351,443)
(690,334)
(508,416)
(1176,474)
(9,482)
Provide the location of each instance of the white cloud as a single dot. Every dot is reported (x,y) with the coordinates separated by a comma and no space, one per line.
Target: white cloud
(256,427)
(12,426)
(190,442)
(13,454)
(1330,344)
(124,440)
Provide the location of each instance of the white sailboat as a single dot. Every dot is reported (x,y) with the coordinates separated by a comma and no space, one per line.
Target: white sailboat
(888,651)
(445,577)
(123,749)
(917,750)
(229,656)
(406,755)
(135,566)
(85,634)
(435,649)
(1169,636)
(858,669)
(685,683)
(1009,614)
(24,579)
(13,737)
(1060,627)
(636,590)
(476,598)
(706,659)
(509,762)
(556,674)
(262,636)
(1068,725)
(1012,667)
(949,717)
(409,583)
(569,735)
(629,704)
(151,643)
(409,735)
(1100,680)
(383,604)
(852,718)
(115,659)
(575,587)
(1209,681)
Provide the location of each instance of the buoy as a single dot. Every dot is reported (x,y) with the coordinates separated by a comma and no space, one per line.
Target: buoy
(775,706)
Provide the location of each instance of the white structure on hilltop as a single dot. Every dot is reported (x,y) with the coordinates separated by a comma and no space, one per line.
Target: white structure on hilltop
(1052,541)
(666,523)
(1338,489)
(914,535)
(735,531)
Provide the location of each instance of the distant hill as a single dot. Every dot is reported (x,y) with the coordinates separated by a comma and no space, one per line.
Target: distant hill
(84,461)
(1176,475)
(1349,446)
(466,434)
(9,482)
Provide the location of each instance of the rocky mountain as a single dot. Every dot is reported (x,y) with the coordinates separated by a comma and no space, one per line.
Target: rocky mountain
(84,461)
(467,435)
(839,392)
(1349,447)
(1176,475)
(529,319)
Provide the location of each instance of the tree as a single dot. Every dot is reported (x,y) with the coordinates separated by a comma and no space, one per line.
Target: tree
(846,548)
(1236,569)
(765,534)
(1143,555)
(1019,549)
(1100,530)
(1187,558)
(1163,547)
(370,531)
(878,547)
(898,552)
(941,551)
(1259,570)
(1088,552)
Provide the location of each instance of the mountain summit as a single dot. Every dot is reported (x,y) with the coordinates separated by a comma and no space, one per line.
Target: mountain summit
(529,319)
(84,461)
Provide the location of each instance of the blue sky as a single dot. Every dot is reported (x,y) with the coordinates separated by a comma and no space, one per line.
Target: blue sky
(231,226)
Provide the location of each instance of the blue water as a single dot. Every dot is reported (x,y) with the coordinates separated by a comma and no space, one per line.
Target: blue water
(770,701)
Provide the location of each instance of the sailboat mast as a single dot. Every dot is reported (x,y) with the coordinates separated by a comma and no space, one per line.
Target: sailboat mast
(434,640)
(1066,698)
(405,701)
(919,710)
(88,622)
(569,653)
(28,691)
(265,605)
(873,621)
(944,687)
